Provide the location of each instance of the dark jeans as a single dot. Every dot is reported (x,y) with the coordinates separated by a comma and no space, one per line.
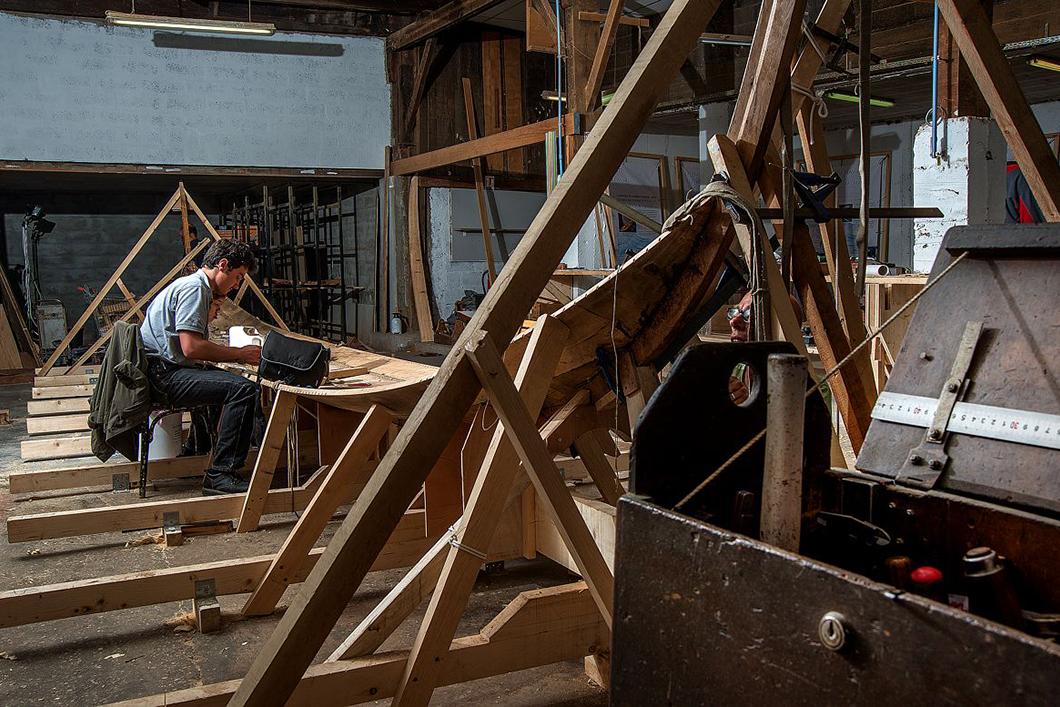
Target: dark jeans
(238,397)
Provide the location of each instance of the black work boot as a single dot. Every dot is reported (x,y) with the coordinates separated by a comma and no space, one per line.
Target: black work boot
(218,483)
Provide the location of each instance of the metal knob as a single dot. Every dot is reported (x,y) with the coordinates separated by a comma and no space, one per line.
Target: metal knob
(832,631)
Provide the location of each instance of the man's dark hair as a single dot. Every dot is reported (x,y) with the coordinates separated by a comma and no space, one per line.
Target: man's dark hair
(237,253)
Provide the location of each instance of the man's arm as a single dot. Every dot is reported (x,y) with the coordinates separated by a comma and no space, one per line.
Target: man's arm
(196,347)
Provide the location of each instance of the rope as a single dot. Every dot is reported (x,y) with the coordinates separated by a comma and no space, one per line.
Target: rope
(739,452)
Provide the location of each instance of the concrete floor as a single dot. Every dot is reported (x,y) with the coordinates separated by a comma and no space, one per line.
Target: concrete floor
(131,653)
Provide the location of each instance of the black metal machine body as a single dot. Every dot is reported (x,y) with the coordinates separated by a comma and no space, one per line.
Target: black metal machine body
(708,614)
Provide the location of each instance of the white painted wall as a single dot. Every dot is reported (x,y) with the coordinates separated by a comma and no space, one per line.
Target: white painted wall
(79,91)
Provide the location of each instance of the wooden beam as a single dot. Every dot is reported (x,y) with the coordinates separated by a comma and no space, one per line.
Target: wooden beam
(283,407)
(523,136)
(628,20)
(396,606)
(603,52)
(480,188)
(433,23)
(284,657)
(129,297)
(762,93)
(150,514)
(418,277)
(107,286)
(73,379)
(347,474)
(539,627)
(102,474)
(605,478)
(56,448)
(972,31)
(185,228)
(479,523)
(537,461)
(53,424)
(49,602)
(419,87)
(723,154)
(62,391)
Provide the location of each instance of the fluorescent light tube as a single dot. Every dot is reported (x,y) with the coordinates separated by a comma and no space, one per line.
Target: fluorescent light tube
(1042,62)
(877,101)
(125,19)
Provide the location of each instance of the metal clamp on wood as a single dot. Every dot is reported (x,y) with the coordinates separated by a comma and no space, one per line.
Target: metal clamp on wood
(927,461)
(455,542)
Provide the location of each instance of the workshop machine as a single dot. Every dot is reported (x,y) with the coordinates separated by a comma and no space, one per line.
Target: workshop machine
(929,575)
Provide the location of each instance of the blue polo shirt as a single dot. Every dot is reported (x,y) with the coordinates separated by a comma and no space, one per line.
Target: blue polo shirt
(183,305)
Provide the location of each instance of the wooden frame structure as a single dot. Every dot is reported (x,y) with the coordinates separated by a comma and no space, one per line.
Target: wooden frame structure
(182,200)
(573,620)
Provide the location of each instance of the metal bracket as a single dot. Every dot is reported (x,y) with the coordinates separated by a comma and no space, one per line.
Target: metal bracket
(207,608)
(926,462)
(119,482)
(205,589)
(171,521)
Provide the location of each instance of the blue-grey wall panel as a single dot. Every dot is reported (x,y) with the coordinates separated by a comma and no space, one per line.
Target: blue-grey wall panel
(77,91)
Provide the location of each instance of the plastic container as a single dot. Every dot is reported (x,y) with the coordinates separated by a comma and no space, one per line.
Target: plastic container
(167,440)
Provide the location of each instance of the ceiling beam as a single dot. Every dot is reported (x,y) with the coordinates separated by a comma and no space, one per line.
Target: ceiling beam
(440,20)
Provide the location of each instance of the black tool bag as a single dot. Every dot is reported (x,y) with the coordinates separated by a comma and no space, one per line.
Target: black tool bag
(293,361)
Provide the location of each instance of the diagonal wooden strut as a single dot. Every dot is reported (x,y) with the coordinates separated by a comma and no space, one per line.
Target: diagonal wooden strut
(107,286)
(268,456)
(284,657)
(537,461)
(339,484)
(479,523)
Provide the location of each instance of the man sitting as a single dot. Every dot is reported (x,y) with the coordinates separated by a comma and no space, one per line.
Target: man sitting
(176,338)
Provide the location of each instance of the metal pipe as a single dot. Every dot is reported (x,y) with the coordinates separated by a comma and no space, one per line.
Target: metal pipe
(935,85)
(782,478)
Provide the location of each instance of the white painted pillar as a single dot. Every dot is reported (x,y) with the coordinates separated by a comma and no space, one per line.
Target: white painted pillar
(714,118)
(967,181)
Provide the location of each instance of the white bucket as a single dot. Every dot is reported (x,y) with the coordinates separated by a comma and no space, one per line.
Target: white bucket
(166,442)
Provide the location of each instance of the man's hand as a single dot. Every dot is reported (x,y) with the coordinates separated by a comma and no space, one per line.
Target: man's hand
(251,355)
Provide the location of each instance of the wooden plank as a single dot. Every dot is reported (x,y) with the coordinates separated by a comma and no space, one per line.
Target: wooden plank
(605,478)
(540,27)
(479,523)
(63,391)
(511,139)
(57,423)
(101,474)
(420,297)
(419,88)
(105,289)
(492,95)
(512,67)
(59,381)
(56,448)
(149,514)
(537,461)
(723,154)
(480,188)
(539,627)
(762,93)
(9,356)
(347,474)
(283,406)
(433,23)
(971,29)
(59,406)
(396,606)
(49,602)
(603,51)
(129,297)
(598,515)
(17,318)
(628,20)
(185,227)
(284,657)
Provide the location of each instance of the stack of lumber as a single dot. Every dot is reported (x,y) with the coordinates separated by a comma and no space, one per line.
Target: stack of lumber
(57,416)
